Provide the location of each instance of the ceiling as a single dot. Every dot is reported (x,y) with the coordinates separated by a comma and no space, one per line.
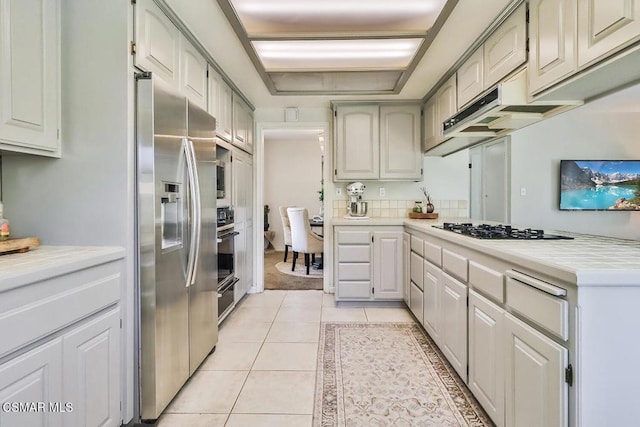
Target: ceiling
(209,24)
(335,46)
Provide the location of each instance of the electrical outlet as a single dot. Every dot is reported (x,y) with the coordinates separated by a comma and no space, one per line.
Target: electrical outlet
(523,191)
(338,191)
(382,192)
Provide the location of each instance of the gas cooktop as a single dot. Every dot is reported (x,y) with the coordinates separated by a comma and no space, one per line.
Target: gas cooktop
(499,232)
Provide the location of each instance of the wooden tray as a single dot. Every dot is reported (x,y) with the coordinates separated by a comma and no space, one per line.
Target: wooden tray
(416,215)
(18,245)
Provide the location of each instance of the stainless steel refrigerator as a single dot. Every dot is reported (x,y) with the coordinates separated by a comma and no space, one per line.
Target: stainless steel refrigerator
(176,208)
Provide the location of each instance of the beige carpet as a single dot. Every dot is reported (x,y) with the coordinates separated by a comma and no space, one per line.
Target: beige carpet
(274,279)
(375,374)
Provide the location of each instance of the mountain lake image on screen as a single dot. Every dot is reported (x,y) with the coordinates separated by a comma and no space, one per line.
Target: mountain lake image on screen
(612,185)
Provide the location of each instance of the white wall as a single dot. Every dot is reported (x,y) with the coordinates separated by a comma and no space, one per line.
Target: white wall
(608,128)
(292,174)
(445,178)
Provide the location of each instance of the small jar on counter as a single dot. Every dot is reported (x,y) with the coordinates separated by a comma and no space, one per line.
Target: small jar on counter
(417,207)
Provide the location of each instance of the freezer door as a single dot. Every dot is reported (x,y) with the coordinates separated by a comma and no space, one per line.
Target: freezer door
(203,290)
(164,236)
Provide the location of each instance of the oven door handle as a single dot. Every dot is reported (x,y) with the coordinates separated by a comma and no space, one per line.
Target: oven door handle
(226,286)
(226,235)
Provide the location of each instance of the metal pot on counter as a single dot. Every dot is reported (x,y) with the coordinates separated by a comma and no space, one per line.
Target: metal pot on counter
(358,208)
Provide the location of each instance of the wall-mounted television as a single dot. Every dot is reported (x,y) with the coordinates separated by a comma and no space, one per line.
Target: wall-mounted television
(594,185)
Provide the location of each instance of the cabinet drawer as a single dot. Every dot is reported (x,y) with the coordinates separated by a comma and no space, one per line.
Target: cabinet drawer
(489,282)
(350,237)
(354,271)
(416,269)
(52,304)
(417,245)
(351,290)
(550,312)
(358,253)
(433,253)
(454,264)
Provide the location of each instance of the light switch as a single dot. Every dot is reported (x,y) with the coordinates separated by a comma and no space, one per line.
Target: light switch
(338,191)
(523,191)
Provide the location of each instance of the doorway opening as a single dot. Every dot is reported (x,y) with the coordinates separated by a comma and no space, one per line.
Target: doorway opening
(490,181)
(293,177)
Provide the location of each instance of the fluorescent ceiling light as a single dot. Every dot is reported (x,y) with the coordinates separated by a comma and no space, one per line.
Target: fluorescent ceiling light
(333,54)
(337,6)
(336,46)
(277,17)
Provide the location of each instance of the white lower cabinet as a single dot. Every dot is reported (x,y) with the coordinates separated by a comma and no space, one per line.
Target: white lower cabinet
(91,372)
(387,265)
(75,378)
(242,196)
(406,281)
(432,289)
(486,355)
(416,297)
(535,387)
(368,263)
(35,376)
(454,324)
(416,302)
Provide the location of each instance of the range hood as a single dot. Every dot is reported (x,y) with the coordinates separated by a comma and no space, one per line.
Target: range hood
(496,112)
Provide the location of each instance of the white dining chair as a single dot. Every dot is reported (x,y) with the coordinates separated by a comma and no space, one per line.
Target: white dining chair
(303,240)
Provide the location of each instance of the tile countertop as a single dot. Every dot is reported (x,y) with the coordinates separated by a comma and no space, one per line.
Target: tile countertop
(587,260)
(43,262)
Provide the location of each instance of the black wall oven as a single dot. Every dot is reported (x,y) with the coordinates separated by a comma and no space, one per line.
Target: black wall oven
(226,261)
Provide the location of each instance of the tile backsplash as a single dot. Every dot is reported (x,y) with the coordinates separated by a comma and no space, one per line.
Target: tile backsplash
(401,208)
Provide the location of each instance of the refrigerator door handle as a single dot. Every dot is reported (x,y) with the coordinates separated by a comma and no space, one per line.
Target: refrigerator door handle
(197,213)
(193,209)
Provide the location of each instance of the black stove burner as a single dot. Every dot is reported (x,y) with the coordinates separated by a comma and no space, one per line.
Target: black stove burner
(487,231)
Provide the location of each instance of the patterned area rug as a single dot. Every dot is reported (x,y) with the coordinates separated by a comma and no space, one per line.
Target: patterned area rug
(388,374)
(300,271)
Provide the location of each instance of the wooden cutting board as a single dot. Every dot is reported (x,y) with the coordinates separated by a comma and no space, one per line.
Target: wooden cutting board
(416,215)
(18,245)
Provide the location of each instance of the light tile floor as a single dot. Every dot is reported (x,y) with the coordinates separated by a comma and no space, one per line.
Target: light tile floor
(263,371)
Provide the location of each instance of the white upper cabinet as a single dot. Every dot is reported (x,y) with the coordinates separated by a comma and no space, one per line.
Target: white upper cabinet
(471,77)
(447,99)
(605,26)
(157,42)
(552,31)
(193,73)
(400,142)
(377,141)
(432,129)
(439,108)
(220,105)
(242,125)
(30,76)
(357,153)
(500,54)
(506,48)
